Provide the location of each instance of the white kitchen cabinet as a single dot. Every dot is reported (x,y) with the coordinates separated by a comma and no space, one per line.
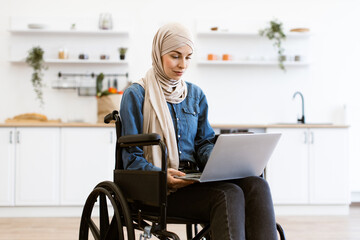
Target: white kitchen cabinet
(37,164)
(329,166)
(309,166)
(7,166)
(287,170)
(88,158)
(29,166)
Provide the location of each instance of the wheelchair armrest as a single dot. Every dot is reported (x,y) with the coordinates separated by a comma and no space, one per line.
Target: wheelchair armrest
(139,139)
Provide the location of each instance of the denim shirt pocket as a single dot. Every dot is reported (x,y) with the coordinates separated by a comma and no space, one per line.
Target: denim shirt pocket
(193,110)
(191,114)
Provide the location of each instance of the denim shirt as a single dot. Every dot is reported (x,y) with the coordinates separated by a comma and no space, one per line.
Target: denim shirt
(195,137)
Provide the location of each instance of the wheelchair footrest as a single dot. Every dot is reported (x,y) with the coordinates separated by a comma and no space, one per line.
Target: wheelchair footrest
(167,234)
(147,233)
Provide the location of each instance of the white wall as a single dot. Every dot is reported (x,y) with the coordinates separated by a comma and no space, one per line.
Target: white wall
(236,95)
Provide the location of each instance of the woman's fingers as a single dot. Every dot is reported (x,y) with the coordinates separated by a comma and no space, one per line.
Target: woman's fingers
(175,182)
(174,172)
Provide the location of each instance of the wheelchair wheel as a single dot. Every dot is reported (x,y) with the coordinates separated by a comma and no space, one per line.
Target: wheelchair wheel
(105,225)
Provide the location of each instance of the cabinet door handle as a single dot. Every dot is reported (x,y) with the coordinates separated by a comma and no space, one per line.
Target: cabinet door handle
(312,137)
(305,138)
(11,137)
(17,137)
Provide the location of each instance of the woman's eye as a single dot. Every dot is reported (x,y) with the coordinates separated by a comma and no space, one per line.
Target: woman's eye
(188,58)
(175,56)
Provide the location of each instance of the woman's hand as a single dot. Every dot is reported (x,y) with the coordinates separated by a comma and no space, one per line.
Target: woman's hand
(175,183)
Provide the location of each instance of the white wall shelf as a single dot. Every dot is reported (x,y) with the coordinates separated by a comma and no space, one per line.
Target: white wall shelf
(77,61)
(55,34)
(251,63)
(56,38)
(246,47)
(64,31)
(248,34)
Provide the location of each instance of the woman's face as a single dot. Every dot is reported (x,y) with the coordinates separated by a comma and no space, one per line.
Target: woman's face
(176,62)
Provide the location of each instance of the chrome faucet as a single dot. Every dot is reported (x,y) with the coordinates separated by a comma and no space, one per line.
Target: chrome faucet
(302,119)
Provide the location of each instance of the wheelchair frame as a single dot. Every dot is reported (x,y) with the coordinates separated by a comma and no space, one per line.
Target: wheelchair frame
(135,205)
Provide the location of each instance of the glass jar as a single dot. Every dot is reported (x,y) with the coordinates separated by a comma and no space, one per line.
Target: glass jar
(63,53)
(105,21)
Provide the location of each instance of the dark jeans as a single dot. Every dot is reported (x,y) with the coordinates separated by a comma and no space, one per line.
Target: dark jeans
(236,209)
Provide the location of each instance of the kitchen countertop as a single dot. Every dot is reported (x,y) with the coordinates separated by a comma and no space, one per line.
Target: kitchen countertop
(222,126)
(55,124)
(279,125)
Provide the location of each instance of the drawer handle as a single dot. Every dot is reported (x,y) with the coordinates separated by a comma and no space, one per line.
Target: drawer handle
(312,137)
(11,137)
(17,137)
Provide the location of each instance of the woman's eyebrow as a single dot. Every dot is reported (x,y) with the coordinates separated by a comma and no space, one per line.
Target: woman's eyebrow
(180,52)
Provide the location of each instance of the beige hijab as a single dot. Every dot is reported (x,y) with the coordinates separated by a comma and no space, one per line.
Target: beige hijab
(159,89)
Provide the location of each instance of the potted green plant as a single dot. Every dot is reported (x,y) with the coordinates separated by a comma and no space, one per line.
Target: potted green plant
(122,52)
(35,59)
(275,32)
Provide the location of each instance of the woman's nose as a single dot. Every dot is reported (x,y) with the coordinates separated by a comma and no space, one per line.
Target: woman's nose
(182,63)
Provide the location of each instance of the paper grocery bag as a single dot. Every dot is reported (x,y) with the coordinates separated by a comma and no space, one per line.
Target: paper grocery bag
(107,104)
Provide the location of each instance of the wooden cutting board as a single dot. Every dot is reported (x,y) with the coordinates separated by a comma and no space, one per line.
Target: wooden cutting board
(9,120)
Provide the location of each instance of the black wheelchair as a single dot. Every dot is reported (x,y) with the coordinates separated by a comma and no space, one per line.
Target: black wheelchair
(136,200)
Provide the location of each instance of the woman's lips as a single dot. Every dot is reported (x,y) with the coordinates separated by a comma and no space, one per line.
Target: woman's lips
(178,73)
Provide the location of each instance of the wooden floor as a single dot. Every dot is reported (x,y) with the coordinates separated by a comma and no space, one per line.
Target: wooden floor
(296,228)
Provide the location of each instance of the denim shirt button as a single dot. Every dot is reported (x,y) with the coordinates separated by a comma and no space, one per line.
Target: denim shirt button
(179,136)
(177,119)
(179,152)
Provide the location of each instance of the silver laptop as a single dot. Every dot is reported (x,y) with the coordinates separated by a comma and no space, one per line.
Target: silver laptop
(237,156)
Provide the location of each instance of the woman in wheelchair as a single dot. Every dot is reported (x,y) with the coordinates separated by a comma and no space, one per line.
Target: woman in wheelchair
(162,102)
